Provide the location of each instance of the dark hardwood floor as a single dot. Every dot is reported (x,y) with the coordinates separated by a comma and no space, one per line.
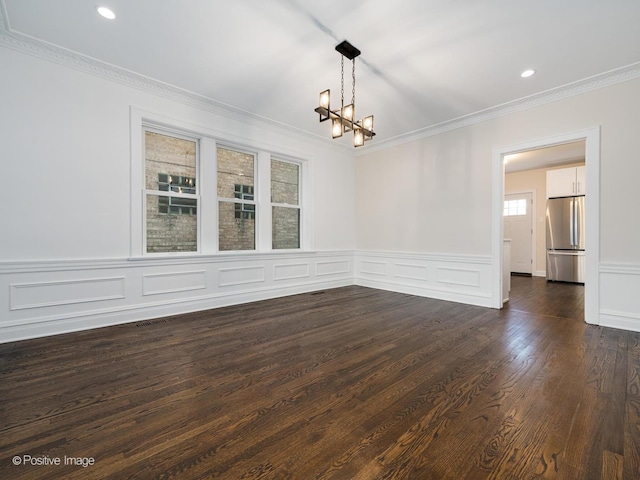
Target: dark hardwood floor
(351,383)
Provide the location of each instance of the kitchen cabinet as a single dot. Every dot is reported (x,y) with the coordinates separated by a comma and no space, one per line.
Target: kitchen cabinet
(566,182)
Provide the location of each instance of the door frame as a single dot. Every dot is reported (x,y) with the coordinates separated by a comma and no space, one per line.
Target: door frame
(591,136)
(534,222)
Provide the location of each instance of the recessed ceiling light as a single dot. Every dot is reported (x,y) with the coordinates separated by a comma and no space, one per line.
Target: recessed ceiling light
(106,12)
(527,73)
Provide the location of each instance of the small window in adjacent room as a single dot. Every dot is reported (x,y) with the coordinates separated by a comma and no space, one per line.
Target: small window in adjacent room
(171,223)
(515,207)
(236,200)
(285,205)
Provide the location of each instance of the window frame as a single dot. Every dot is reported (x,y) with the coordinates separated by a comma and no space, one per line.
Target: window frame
(298,206)
(206,184)
(237,201)
(146,192)
(513,208)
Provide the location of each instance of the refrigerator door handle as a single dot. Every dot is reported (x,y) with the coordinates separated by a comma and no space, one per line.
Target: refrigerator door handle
(572,220)
(579,221)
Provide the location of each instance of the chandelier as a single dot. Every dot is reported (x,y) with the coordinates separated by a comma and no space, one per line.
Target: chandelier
(342,119)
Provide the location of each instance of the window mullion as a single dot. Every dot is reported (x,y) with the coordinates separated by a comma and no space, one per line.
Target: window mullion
(208,194)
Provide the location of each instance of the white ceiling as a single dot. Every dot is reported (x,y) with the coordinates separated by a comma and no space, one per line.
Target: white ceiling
(555,156)
(423,62)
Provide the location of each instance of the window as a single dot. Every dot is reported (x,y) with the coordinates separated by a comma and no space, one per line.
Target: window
(193,194)
(171,193)
(515,207)
(285,205)
(236,200)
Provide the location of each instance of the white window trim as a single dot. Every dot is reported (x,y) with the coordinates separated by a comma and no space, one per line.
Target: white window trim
(208,141)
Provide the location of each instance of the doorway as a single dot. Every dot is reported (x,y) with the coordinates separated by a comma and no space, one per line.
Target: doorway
(591,138)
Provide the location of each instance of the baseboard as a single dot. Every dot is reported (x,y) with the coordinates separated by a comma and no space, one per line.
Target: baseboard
(620,320)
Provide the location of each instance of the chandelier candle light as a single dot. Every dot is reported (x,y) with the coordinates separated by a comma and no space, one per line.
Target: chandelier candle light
(342,119)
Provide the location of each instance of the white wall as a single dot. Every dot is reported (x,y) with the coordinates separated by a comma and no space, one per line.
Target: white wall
(65,142)
(65,246)
(433,195)
(419,220)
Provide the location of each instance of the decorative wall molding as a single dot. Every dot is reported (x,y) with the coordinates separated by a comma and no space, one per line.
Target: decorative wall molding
(620,268)
(620,302)
(291,271)
(373,268)
(602,80)
(241,275)
(65,292)
(84,63)
(53,297)
(467,277)
(333,268)
(412,272)
(173,282)
(457,278)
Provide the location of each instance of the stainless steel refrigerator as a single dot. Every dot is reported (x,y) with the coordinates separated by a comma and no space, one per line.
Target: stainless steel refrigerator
(565,239)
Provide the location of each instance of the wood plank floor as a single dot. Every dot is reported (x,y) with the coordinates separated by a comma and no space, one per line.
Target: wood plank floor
(350,383)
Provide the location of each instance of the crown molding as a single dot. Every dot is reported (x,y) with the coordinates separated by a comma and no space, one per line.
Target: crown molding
(86,64)
(612,77)
(54,53)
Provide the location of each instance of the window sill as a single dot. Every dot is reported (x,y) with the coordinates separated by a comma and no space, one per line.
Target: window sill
(191,257)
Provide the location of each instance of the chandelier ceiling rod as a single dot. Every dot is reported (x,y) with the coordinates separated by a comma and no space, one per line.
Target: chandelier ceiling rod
(342,119)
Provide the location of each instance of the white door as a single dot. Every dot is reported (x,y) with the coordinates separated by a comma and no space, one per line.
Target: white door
(518,227)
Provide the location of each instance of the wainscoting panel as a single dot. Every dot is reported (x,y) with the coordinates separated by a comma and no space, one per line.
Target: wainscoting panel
(291,271)
(458,278)
(65,292)
(241,275)
(341,267)
(411,272)
(467,277)
(620,296)
(160,283)
(370,267)
(48,298)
